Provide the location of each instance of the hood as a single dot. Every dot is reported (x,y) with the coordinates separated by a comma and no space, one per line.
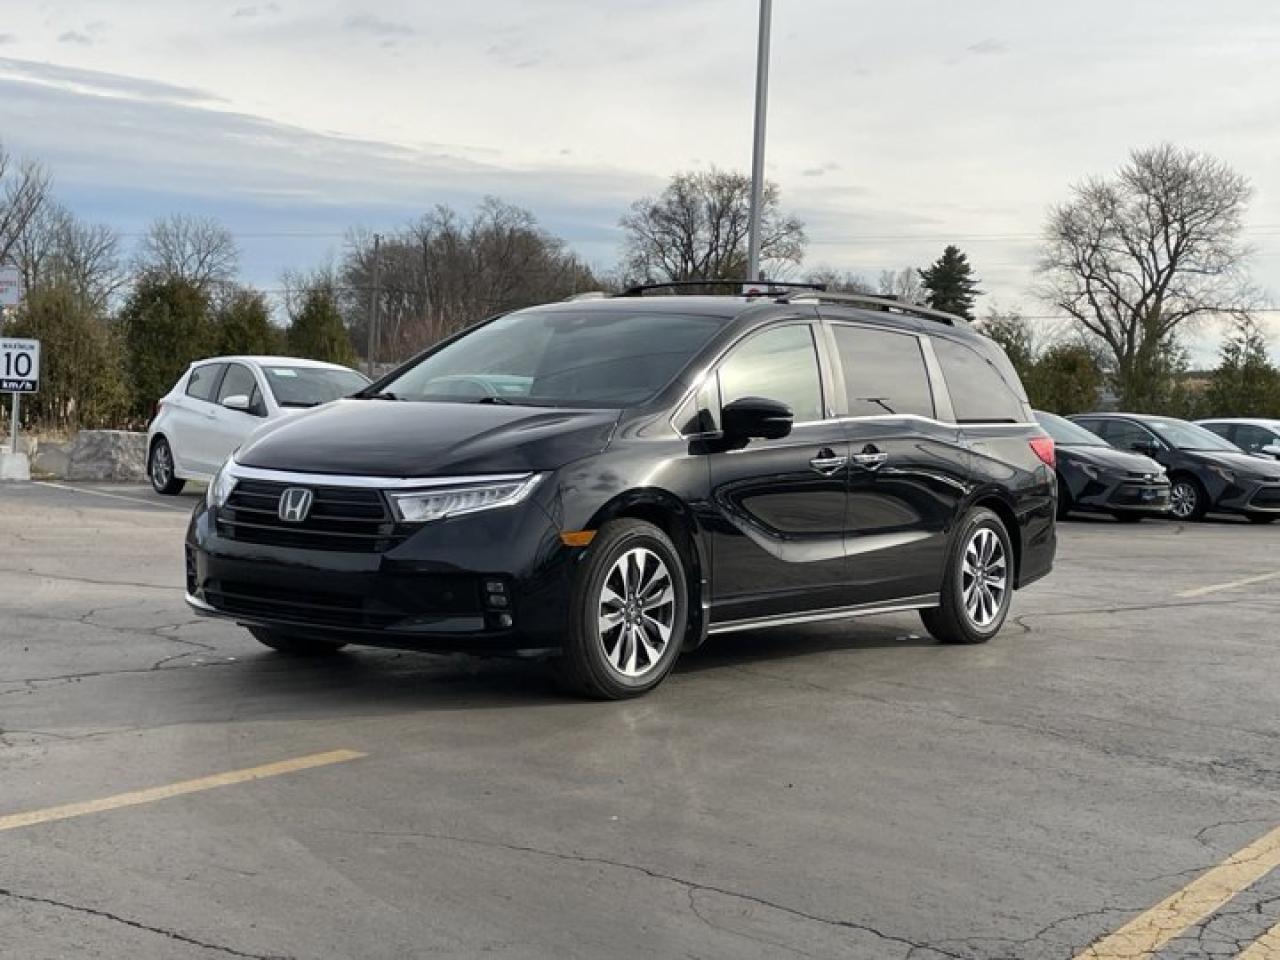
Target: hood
(389,438)
(1110,459)
(1242,463)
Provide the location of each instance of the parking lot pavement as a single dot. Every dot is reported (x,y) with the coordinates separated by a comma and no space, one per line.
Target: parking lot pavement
(169,789)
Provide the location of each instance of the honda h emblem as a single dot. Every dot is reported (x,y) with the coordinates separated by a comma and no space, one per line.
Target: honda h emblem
(295,504)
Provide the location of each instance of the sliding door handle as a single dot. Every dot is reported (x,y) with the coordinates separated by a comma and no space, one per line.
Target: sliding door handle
(827,463)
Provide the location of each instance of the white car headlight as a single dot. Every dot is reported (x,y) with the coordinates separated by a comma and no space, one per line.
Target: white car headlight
(436,503)
(220,486)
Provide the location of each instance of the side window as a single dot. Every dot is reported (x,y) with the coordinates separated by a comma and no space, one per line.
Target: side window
(1093,426)
(980,393)
(1251,438)
(1124,434)
(779,364)
(203,380)
(238,380)
(883,372)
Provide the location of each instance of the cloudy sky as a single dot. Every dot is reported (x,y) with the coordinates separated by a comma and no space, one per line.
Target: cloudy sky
(895,127)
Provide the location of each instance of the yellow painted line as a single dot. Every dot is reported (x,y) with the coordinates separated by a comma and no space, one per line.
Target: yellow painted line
(1266,947)
(1234,584)
(32,817)
(1144,935)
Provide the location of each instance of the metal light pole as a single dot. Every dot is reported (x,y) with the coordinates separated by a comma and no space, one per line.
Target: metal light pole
(757,154)
(375,305)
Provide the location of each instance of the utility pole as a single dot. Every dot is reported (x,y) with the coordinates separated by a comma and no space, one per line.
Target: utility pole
(375,303)
(757,153)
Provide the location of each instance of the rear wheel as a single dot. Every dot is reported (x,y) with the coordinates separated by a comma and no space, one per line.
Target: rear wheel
(295,645)
(978,585)
(1187,499)
(160,469)
(1261,517)
(628,615)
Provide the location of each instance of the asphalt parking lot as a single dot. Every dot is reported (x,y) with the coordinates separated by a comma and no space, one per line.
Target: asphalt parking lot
(169,789)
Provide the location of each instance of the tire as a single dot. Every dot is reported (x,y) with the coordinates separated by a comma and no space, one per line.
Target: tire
(1125,516)
(1261,517)
(295,645)
(1065,502)
(604,656)
(981,543)
(1187,499)
(160,469)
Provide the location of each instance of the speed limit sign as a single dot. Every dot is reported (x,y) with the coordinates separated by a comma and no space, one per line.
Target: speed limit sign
(19,366)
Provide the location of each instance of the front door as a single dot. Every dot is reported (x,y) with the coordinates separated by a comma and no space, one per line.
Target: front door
(778,506)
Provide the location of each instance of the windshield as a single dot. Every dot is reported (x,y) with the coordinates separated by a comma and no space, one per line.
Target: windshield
(561,358)
(1187,436)
(311,386)
(1068,434)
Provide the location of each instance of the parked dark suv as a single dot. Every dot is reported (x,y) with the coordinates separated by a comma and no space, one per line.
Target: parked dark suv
(609,481)
(1206,472)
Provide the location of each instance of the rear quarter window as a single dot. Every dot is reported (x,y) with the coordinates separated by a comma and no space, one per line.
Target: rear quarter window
(982,389)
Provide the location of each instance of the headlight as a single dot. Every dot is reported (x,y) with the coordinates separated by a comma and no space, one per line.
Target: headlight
(220,486)
(1227,475)
(419,506)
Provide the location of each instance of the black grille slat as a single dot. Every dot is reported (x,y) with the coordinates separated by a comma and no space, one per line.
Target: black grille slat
(350,519)
(445,596)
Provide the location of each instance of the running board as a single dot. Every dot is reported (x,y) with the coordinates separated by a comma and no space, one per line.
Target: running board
(922,602)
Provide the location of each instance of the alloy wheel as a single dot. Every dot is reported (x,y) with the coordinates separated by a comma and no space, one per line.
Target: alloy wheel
(161,465)
(1182,500)
(636,610)
(984,577)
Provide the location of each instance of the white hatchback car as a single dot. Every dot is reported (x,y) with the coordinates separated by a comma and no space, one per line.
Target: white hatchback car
(218,402)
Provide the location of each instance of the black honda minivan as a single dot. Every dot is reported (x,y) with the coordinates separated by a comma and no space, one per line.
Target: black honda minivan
(608,481)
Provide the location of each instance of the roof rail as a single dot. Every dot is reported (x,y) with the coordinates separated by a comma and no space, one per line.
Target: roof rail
(639,289)
(887,304)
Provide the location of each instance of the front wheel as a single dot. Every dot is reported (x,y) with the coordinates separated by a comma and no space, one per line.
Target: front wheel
(161,471)
(1187,499)
(295,645)
(628,615)
(978,585)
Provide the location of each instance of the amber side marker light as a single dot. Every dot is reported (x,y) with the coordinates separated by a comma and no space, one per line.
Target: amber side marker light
(577,538)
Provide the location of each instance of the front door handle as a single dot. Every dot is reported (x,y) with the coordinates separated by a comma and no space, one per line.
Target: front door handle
(870,458)
(827,462)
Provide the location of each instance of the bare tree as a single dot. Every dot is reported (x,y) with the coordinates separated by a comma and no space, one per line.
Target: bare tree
(199,250)
(57,249)
(840,281)
(23,188)
(696,229)
(902,284)
(1132,258)
(445,271)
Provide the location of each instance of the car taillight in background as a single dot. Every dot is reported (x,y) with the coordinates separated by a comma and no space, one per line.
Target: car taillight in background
(1043,447)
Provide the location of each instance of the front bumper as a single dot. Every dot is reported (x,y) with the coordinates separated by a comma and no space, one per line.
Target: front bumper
(1249,496)
(430,592)
(1127,494)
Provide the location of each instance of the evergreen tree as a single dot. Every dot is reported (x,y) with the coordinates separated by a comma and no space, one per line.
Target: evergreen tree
(244,325)
(950,285)
(1012,332)
(1066,379)
(1245,383)
(166,324)
(316,331)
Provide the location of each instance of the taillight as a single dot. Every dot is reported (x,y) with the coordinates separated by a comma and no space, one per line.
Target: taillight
(1043,447)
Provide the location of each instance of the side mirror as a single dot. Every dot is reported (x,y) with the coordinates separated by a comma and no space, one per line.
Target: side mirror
(756,417)
(1148,447)
(238,401)
(1272,450)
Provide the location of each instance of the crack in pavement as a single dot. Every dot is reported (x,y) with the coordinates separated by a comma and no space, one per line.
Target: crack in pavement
(691,885)
(101,583)
(138,925)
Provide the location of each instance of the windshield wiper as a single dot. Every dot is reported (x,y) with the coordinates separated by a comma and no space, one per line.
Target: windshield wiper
(494,398)
(384,395)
